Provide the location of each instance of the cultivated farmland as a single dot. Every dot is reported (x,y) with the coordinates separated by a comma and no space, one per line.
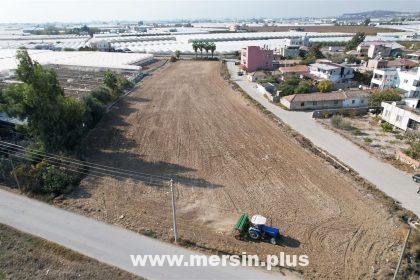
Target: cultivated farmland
(228,158)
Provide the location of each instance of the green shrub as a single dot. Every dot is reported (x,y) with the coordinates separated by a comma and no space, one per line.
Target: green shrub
(94,112)
(103,94)
(357,132)
(339,122)
(386,127)
(367,140)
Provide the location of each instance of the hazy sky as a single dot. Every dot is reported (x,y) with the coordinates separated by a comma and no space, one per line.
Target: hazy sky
(88,10)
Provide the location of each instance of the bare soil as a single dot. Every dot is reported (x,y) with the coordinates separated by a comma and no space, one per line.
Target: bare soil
(373,139)
(23,256)
(228,158)
(368,30)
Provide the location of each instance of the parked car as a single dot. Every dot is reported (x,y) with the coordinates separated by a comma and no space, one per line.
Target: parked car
(416,178)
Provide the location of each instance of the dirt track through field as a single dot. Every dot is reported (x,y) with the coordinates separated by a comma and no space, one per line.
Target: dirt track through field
(229,158)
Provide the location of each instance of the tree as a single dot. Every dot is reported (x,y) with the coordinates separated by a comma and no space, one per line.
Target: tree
(363,77)
(195,47)
(177,54)
(358,38)
(206,47)
(201,45)
(110,81)
(52,119)
(315,51)
(366,22)
(212,47)
(303,87)
(377,97)
(325,86)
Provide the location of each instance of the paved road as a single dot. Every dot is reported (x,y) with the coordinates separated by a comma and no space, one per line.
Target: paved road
(395,183)
(107,243)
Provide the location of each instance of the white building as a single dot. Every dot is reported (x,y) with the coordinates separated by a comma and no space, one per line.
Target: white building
(384,78)
(101,45)
(407,81)
(401,114)
(331,71)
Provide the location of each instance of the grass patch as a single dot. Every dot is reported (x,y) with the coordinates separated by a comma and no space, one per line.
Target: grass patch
(339,122)
(150,233)
(367,140)
(356,132)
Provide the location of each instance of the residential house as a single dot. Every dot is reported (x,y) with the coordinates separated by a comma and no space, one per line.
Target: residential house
(336,73)
(376,63)
(406,80)
(384,78)
(409,82)
(402,63)
(254,58)
(256,76)
(401,115)
(287,72)
(382,48)
(320,101)
(415,56)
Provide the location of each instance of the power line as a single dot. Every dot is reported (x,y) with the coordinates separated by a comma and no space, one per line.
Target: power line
(103,169)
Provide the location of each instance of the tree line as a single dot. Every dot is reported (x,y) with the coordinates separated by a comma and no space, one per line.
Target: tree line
(55,123)
(206,46)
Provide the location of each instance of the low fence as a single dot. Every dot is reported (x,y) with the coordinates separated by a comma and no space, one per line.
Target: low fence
(326,113)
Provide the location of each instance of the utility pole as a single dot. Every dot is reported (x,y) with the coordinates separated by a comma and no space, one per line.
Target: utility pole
(174,212)
(410,227)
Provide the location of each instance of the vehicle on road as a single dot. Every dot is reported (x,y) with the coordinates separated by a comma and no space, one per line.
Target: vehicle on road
(256,229)
(416,178)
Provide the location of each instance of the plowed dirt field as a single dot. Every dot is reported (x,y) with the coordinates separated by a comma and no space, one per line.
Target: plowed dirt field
(227,158)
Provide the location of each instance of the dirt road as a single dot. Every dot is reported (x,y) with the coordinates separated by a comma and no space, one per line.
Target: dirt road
(229,158)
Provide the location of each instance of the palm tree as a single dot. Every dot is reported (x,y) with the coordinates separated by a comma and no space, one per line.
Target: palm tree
(207,48)
(200,47)
(212,47)
(195,47)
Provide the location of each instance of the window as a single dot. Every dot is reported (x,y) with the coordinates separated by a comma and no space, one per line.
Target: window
(302,104)
(314,103)
(398,118)
(335,102)
(362,101)
(353,101)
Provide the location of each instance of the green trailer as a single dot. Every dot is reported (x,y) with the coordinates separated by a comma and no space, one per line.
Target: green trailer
(242,226)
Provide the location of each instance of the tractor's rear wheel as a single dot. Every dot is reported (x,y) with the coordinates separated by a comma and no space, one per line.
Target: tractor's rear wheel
(254,234)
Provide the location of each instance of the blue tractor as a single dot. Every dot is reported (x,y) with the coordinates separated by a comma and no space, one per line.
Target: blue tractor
(256,229)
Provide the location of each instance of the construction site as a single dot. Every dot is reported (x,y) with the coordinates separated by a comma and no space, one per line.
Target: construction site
(226,158)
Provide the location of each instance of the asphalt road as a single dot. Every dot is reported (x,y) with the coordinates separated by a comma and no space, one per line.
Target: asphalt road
(395,183)
(109,244)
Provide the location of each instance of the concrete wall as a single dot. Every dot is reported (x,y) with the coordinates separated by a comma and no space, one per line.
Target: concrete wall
(355,102)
